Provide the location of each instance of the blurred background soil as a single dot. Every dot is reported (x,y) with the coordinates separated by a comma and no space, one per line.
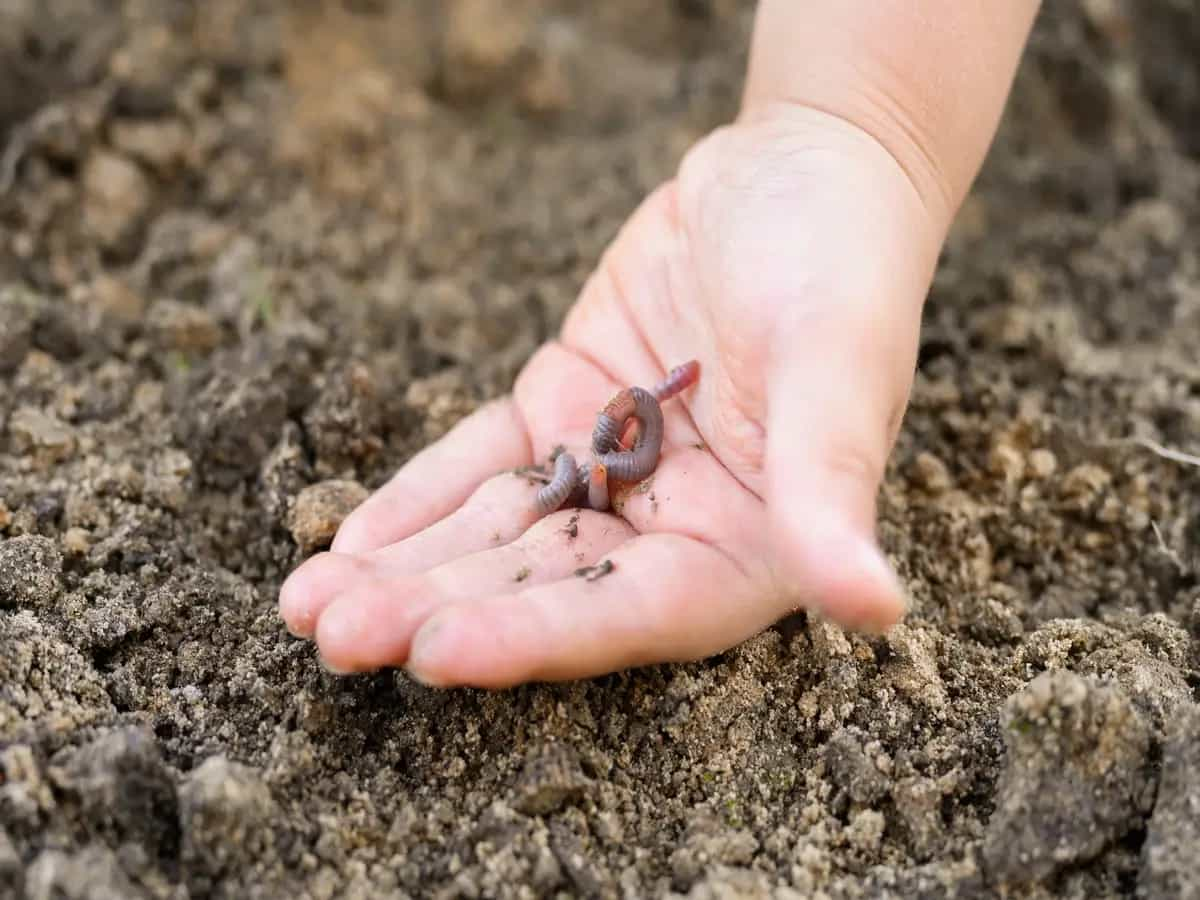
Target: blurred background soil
(254,254)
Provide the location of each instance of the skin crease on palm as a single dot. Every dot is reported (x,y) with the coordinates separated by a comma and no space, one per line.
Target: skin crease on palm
(790,255)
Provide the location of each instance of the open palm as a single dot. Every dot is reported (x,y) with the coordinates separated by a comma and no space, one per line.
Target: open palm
(790,256)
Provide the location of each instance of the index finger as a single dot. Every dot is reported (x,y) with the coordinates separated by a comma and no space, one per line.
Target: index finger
(438,479)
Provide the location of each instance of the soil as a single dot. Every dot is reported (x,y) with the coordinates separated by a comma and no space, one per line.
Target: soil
(254,254)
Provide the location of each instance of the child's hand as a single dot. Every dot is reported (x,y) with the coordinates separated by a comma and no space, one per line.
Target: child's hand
(790,256)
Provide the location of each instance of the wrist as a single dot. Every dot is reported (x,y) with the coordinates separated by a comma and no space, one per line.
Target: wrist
(926,79)
(895,147)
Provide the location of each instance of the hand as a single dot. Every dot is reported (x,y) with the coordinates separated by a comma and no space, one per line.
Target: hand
(791,256)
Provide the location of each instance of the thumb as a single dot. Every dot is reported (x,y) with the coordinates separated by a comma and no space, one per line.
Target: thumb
(838,384)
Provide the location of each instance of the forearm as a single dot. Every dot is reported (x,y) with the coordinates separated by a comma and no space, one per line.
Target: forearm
(928,79)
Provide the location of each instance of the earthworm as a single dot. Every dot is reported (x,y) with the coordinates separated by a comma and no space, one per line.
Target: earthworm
(598,487)
(678,380)
(635,464)
(561,486)
(619,452)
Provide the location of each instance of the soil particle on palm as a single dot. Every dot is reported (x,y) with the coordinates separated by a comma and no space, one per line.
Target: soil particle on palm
(571,529)
(596,572)
(254,256)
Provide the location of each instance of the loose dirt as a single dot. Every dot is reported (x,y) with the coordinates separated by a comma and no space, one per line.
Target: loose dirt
(253,255)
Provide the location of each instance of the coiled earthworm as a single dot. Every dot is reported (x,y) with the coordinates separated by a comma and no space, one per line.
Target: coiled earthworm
(619,452)
(639,461)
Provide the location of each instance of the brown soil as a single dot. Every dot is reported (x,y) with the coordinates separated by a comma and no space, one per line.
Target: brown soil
(253,254)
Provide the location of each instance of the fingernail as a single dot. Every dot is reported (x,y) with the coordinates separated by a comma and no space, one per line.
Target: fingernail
(340,631)
(430,647)
(334,670)
(302,627)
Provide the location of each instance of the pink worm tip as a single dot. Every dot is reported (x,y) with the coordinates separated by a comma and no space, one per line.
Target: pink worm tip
(598,497)
(678,380)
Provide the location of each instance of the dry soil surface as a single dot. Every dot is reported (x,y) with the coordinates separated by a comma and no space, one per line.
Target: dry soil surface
(254,254)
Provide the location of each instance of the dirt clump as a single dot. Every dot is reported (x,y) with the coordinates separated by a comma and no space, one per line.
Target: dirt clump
(1174,830)
(319,510)
(1076,777)
(254,256)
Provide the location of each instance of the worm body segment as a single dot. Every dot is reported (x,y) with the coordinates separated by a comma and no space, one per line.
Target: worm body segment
(561,486)
(638,462)
(678,380)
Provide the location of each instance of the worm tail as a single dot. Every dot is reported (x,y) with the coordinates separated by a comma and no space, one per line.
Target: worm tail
(678,380)
(598,487)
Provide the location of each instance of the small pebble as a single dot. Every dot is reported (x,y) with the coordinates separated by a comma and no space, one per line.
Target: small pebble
(931,473)
(161,145)
(76,541)
(320,509)
(1042,463)
(1006,460)
(183,327)
(40,437)
(117,299)
(1084,483)
(117,199)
